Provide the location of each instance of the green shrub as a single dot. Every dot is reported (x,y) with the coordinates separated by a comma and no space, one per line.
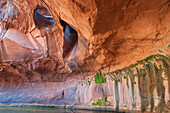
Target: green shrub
(105,99)
(99,78)
(98,103)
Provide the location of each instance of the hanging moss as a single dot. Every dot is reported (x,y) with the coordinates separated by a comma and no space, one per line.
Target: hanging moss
(133,65)
(99,78)
(160,51)
(149,58)
(166,67)
(149,78)
(157,57)
(138,62)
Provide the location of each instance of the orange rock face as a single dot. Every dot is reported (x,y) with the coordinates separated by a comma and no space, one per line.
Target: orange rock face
(110,33)
(79,36)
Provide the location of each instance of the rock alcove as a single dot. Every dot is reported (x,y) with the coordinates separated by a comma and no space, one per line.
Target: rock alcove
(70,38)
(52,50)
(42,18)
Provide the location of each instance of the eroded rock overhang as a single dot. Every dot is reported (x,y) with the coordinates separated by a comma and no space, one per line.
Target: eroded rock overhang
(44,40)
(107,36)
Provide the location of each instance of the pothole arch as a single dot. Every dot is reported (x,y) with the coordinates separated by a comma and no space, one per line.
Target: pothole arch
(70,38)
(42,18)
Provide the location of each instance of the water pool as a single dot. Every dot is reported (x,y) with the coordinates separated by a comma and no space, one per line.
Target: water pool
(42,110)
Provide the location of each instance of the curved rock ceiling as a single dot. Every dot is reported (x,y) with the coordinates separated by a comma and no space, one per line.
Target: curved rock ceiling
(110,33)
(65,40)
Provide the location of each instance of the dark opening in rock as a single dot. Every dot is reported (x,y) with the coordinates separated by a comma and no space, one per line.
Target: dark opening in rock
(70,38)
(2,4)
(42,18)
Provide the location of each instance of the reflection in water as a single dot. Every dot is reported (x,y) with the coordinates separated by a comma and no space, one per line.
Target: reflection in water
(43,110)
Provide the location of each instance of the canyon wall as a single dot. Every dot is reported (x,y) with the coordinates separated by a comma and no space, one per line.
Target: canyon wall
(50,51)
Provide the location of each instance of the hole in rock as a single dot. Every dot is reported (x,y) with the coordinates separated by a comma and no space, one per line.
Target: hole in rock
(70,39)
(42,18)
(2,3)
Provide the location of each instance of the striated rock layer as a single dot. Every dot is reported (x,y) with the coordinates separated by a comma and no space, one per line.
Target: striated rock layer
(48,46)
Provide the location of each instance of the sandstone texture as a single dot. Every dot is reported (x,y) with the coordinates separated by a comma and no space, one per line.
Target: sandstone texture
(49,48)
(110,33)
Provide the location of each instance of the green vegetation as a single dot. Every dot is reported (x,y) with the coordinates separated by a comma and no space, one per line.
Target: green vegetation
(133,82)
(100,78)
(98,103)
(149,73)
(117,74)
(161,59)
(81,82)
(86,81)
(89,82)
(106,102)
(109,104)
(105,99)
(117,80)
(124,77)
